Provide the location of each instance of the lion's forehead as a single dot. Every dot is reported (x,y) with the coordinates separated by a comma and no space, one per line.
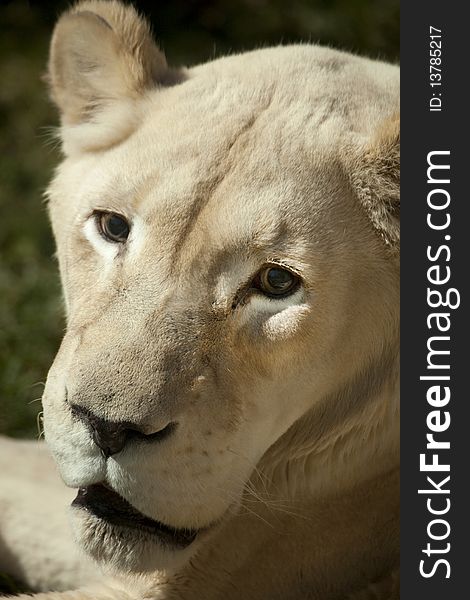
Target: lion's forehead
(245,123)
(234,183)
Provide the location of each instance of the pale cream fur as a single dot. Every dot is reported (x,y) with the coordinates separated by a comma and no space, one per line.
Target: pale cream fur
(286,448)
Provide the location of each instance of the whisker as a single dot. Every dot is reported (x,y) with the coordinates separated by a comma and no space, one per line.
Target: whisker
(35,400)
(40,425)
(43,383)
(264,496)
(248,509)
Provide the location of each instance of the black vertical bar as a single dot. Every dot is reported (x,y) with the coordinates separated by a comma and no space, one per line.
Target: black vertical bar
(424,131)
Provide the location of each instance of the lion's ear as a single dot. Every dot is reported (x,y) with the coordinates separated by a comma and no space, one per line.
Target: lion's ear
(102,59)
(374,173)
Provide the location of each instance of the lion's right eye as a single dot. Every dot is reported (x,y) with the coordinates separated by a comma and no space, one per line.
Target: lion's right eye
(113,227)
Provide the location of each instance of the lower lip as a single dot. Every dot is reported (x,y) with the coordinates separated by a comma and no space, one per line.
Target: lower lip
(106,505)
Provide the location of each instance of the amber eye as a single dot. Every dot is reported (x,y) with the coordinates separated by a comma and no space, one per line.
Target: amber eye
(114,227)
(277,282)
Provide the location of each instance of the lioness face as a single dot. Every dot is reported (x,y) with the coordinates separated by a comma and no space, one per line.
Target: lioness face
(218,272)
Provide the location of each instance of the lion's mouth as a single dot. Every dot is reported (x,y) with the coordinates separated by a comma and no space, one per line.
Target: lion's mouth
(105,504)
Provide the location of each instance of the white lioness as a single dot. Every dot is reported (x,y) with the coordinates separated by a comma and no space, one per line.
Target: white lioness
(225,399)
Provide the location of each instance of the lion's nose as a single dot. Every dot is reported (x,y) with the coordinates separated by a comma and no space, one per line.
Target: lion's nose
(109,436)
(112,436)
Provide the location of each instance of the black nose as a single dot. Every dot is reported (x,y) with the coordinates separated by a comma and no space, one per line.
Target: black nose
(112,436)
(109,436)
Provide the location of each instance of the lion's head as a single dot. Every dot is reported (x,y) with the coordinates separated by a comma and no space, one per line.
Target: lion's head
(227,239)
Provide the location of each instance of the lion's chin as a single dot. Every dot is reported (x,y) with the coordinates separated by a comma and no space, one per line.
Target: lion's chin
(115,534)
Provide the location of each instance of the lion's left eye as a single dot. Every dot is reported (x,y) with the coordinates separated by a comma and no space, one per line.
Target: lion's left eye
(275,281)
(113,227)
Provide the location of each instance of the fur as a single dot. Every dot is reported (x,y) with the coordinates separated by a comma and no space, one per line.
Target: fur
(286,449)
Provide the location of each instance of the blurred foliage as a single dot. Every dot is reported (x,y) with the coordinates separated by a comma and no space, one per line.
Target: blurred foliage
(30,314)
(190,31)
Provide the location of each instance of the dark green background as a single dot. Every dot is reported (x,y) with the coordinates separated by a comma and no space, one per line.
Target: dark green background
(189,31)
